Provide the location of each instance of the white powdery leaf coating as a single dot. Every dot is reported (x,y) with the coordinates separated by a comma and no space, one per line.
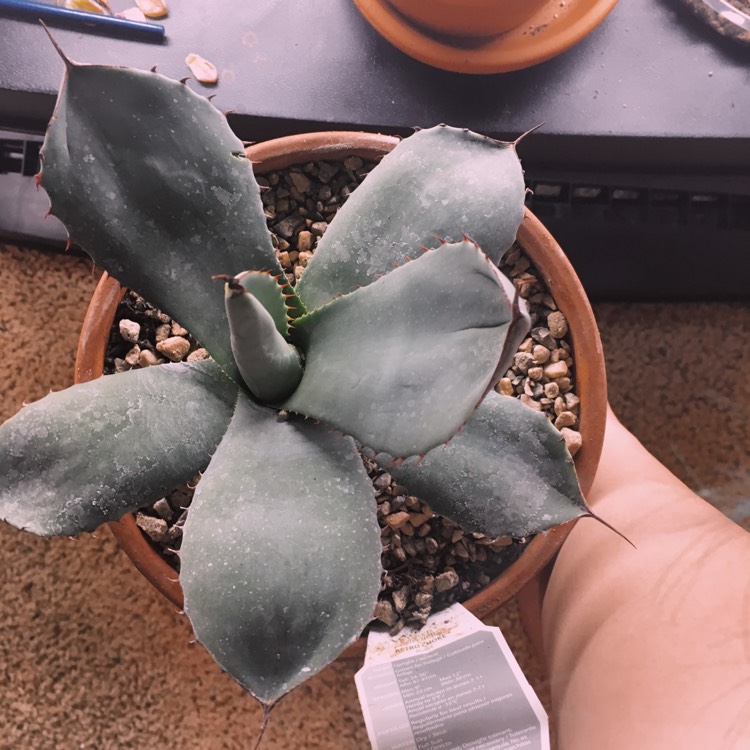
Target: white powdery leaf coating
(507,473)
(281,555)
(87,455)
(441,181)
(435,331)
(179,182)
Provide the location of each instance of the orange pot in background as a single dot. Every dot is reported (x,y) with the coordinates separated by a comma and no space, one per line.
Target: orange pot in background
(473,18)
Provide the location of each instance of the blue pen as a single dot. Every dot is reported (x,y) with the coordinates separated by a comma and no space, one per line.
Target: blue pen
(80,20)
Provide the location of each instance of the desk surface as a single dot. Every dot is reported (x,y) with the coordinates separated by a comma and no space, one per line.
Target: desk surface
(651,87)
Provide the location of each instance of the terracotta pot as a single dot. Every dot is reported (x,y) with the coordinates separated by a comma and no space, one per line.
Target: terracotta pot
(472,18)
(549,31)
(559,277)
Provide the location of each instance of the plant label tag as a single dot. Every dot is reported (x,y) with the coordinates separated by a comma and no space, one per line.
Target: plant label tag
(452,685)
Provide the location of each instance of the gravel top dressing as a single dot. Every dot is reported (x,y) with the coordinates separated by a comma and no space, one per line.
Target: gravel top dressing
(429,562)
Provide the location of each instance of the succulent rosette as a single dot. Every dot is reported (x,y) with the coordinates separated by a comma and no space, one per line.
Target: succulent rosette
(392,341)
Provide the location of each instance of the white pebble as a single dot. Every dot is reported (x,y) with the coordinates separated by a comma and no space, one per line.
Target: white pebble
(130,330)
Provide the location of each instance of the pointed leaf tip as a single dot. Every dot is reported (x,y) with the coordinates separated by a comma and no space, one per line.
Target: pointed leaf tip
(60,51)
(528,132)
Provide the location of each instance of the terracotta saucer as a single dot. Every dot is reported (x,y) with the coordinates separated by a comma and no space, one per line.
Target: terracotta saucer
(554,28)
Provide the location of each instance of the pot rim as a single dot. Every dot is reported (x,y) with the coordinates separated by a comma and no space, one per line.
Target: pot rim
(516,49)
(558,275)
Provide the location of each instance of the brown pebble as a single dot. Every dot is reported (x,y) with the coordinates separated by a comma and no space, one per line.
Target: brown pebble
(384,612)
(540,354)
(423,600)
(401,598)
(573,440)
(147,358)
(544,337)
(382,480)
(353,163)
(565,384)
(535,405)
(533,388)
(319,227)
(505,387)
(431,545)
(558,326)
(304,258)
(551,390)
(565,419)
(174,348)
(417,519)
(132,356)
(155,528)
(446,580)
(163,508)
(428,584)
(556,370)
(301,181)
(304,241)
(397,520)
(512,255)
(536,373)
(198,355)
(461,551)
(522,361)
(163,332)
(572,402)
(284,259)
(412,502)
(178,330)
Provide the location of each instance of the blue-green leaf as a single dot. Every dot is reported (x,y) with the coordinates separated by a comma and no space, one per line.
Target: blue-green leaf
(281,553)
(270,366)
(507,473)
(149,179)
(443,181)
(402,363)
(91,453)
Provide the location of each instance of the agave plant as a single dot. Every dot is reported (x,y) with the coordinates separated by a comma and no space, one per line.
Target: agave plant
(392,342)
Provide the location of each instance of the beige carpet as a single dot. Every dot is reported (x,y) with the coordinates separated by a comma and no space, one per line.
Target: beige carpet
(91,657)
